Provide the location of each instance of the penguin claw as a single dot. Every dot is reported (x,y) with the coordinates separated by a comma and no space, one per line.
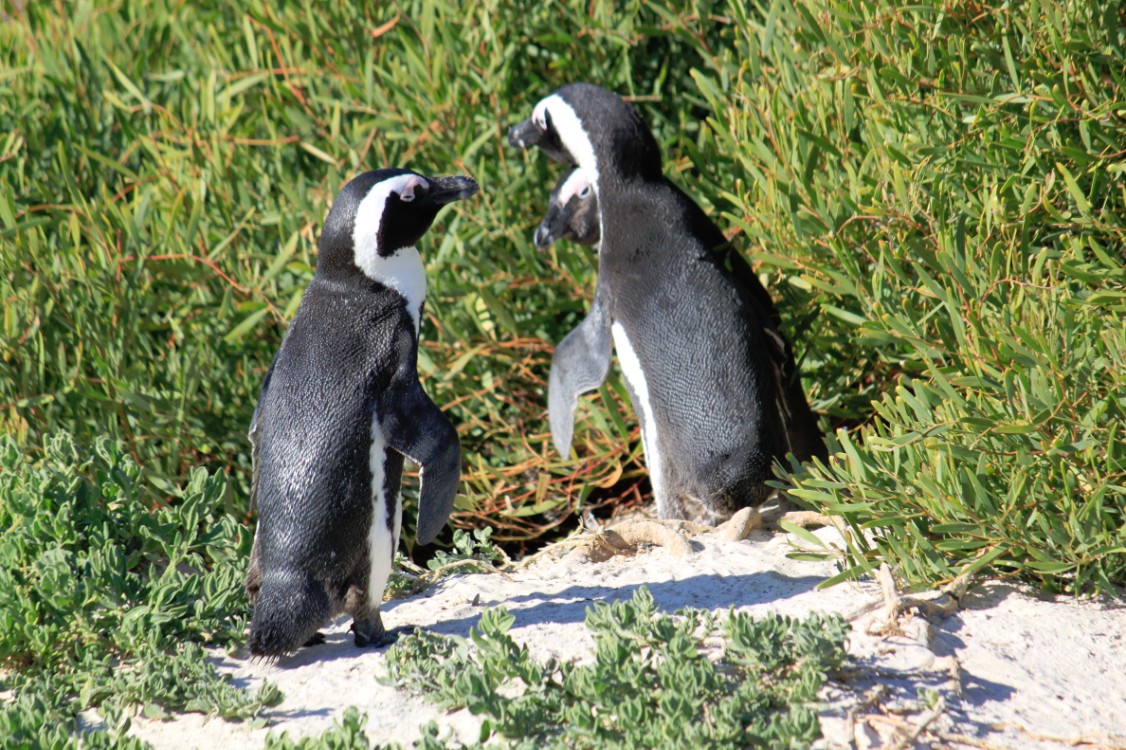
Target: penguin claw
(385,638)
(370,632)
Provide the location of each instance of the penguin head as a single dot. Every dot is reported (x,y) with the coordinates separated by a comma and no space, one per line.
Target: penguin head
(289,606)
(381,212)
(572,212)
(594,129)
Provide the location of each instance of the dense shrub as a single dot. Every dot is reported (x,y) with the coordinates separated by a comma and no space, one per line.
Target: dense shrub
(947,186)
(91,575)
(653,683)
(162,200)
(933,194)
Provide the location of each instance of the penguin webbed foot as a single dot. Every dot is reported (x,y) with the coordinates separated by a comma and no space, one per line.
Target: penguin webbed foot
(317,639)
(370,632)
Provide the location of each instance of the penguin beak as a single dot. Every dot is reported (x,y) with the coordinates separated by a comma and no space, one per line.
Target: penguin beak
(553,226)
(544,237)
(524,134)
(445,190)
(527,134)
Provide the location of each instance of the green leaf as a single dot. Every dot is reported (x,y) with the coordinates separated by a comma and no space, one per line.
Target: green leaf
(802,533)
(1073,188)
(248,324)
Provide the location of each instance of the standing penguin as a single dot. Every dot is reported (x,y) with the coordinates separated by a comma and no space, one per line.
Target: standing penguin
(340,407)
(712,379)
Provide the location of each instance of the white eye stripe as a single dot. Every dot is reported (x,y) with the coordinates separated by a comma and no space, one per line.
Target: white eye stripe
(574,139)
(412,183)
(369,214)
(572,136)
(403,270)
(576,184)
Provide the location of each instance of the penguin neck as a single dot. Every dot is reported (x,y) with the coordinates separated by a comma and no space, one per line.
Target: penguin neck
(617,195)
(402,271)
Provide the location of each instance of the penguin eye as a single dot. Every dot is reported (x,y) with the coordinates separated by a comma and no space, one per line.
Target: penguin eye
(584,192)
(406,196)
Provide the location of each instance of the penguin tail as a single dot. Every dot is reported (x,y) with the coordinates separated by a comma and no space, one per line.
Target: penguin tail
(287,613)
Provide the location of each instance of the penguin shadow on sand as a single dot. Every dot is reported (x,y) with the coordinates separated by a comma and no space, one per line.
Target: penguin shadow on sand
(712,591)
(569,606)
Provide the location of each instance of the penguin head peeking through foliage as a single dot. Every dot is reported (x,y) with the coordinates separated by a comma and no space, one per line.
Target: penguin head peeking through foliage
(572,212)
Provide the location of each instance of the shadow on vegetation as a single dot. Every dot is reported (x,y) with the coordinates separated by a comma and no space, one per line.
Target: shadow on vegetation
(568,606)
(710,591)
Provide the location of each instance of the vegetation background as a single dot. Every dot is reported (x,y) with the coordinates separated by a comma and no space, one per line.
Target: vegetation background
(933,194)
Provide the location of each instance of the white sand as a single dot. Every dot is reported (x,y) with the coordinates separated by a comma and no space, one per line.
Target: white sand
(1013,670)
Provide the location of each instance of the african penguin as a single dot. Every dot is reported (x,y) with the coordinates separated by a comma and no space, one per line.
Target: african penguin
(339,409)
(713,381)
(572,212)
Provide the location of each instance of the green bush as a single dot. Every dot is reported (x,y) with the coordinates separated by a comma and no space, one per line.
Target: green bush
(651,685)
(162,200)
(933,193)
(90,576)
(347,733)
(29,722)
(84,564)
(946,185)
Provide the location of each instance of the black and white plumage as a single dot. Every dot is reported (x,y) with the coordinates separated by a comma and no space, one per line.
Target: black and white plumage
(572,212)
(713,381)
(339,409)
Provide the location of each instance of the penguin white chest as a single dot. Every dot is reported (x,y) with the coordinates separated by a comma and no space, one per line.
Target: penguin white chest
(402,271)
(386,518)
(635,376)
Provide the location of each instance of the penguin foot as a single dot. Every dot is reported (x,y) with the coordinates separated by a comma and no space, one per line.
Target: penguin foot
(368,631)
(317,639)
(380,639)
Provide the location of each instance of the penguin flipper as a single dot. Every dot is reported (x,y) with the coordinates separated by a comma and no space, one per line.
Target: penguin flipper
(580,364)
(418,429)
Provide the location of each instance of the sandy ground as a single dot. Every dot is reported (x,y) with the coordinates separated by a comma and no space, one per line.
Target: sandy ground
(1010,669)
